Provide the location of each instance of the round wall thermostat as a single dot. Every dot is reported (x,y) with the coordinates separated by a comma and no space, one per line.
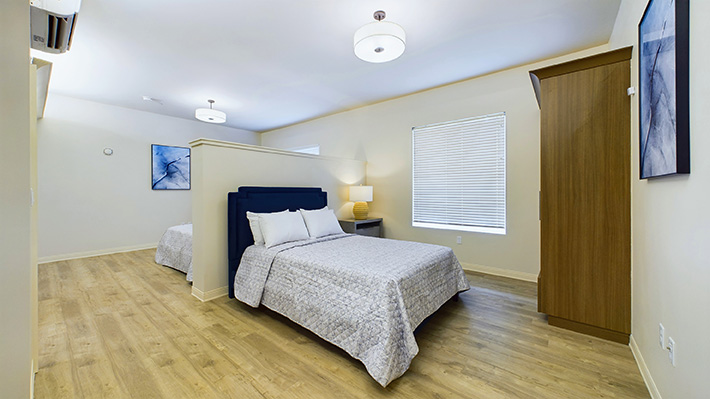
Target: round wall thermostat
(108,151)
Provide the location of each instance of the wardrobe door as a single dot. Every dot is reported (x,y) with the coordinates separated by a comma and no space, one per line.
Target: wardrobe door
(585,198)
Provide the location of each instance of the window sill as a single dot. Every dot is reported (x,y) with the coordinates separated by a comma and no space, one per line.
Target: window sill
(474,229)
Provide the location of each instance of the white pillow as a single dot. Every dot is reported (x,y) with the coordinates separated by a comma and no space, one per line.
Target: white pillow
(321,222)
(279,228)
(254,225)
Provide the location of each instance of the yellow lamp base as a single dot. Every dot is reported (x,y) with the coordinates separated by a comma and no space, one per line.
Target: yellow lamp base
(360,210)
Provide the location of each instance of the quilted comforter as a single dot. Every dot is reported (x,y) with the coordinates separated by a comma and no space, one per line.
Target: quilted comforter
(363,294)
(175,249)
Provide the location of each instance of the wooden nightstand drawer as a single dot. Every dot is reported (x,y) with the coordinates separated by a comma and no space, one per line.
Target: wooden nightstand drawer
(367,227)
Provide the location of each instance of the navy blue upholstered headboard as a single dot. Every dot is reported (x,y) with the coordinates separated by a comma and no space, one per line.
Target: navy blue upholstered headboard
(262,199)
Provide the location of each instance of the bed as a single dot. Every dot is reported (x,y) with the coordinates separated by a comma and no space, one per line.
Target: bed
(175,249)
(366,295)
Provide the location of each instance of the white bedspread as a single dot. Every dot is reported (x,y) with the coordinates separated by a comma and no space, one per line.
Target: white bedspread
(175,249)
(363,294)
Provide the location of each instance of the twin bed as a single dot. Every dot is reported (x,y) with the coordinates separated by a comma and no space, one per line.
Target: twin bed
(365,295)
(175,249)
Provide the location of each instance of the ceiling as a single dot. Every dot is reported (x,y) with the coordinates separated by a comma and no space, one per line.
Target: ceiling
(270,63)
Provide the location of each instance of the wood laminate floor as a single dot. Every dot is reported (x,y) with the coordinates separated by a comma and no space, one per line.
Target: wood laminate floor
(120,326)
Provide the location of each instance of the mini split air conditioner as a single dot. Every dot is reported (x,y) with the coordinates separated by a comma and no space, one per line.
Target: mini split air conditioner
(52,24)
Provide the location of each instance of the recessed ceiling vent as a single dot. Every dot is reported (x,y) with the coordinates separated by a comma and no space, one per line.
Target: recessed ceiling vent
(52,24)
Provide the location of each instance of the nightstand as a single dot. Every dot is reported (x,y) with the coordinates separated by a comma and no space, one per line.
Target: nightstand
(365,227)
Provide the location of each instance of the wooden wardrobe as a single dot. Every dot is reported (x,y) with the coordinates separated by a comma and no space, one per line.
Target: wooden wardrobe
(585,209)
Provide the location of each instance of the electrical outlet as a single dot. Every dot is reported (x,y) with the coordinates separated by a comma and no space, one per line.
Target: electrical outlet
(458,239)
(661,336)
(671,350)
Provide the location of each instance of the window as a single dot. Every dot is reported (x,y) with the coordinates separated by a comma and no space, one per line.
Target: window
(311,149)
(458,175)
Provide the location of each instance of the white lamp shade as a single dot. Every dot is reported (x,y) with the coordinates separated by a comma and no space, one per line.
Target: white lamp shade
(210,115)
(379,41)
(361,193)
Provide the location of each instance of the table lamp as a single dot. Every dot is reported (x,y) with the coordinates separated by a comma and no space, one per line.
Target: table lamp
(360,195)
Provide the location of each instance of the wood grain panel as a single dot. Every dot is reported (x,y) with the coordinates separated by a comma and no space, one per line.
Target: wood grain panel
(122,326)
(611,57)
(603,333)
(585,201)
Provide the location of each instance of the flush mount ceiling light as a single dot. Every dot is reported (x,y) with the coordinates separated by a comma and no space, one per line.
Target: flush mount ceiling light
(210,115)
(379,41)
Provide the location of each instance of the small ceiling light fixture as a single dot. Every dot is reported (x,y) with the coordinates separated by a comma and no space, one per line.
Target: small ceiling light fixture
(379,41)
(210,115)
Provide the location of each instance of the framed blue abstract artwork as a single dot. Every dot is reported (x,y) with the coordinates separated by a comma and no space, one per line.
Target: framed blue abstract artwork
(664,89)
(170,167)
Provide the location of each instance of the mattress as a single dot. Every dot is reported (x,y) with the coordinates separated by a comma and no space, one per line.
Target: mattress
(363,294)
(175,249)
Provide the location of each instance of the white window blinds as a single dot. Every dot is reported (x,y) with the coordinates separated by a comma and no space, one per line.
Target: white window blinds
(458,175)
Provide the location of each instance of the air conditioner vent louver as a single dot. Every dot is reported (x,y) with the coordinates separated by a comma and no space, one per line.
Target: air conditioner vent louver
(51,33)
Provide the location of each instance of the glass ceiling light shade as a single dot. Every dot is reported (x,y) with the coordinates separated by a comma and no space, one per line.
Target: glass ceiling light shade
(379,41)
(210,115)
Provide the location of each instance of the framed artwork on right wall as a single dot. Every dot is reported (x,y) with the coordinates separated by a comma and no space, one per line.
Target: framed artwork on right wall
(664,101)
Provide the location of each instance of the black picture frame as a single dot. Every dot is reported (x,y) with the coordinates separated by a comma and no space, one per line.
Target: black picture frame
(170,167)
(664,98)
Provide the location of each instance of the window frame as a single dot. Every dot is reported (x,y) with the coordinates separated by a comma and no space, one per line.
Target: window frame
(308,149)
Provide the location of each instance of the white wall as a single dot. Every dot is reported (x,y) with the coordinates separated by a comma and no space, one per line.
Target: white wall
(15,245)
(221,167)
(381,135)
(91,203)
(671,230)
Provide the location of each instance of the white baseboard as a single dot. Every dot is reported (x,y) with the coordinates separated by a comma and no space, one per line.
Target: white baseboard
(32,379)
(88,254)
(645,372)
(209,295)
(500,272)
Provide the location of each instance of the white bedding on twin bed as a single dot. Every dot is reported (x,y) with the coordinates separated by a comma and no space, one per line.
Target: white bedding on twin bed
(363,294)
(175,249)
